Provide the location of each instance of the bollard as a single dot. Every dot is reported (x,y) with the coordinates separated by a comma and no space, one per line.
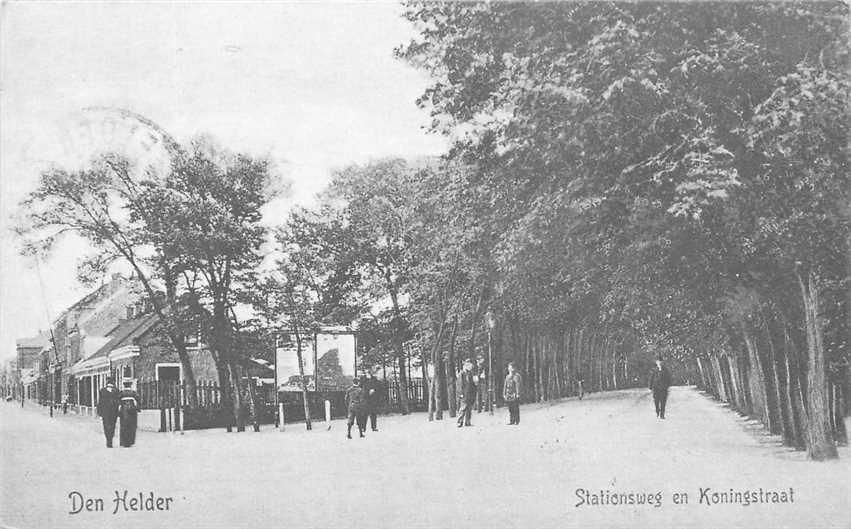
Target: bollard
(328,413)
(281,416)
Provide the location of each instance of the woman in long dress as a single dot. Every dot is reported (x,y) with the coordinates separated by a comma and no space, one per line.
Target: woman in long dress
(128,409)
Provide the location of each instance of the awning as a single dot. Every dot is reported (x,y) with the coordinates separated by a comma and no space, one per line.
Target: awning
(90,366)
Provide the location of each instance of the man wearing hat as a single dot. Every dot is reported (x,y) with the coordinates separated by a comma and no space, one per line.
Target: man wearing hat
(660,381)
(468,393)
(108,409)
(373,389)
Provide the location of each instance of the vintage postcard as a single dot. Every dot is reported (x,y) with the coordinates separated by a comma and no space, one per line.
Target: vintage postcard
(414,264)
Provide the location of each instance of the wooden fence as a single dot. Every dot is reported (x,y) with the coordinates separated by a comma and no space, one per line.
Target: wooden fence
(170,395)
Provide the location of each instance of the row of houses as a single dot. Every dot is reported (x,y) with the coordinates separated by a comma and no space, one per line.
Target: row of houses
(112,331)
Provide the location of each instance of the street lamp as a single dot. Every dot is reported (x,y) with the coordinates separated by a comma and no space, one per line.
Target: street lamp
(490,321)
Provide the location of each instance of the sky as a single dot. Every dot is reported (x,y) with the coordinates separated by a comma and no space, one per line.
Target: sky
(313,86)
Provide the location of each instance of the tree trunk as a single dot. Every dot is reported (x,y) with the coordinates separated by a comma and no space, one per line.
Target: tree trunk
(226,389)
(400,352)
(780,392)
(838,414)
(795,373)
(719,376)
(440,390)
(450,370)
(236,383)
(757,380)
(177,342)
(252,405)
(474,324)
(188,376)
(433,400)
(305,398)
(820,444)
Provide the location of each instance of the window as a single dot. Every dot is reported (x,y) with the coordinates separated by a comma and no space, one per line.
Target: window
(127,371)
(191,340)
(168,371)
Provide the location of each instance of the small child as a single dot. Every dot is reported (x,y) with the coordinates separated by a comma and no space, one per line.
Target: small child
(356,404)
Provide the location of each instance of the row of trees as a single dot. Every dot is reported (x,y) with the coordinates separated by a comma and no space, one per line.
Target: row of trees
(624,179)
(676,174)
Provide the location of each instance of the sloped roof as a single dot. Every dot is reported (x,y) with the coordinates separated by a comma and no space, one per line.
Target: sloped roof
(125,333)
(40,341)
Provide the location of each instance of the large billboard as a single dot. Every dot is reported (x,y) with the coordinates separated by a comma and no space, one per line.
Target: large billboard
(335,360)
(329,360)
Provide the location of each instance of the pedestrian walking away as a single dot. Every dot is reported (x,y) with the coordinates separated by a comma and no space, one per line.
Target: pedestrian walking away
(128,410)
(660,381)
(468,393)
(356,405)
(374,389)
(107,409)
(481,385)
(511,394)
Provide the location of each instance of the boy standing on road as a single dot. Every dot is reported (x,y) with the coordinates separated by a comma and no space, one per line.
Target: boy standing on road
(356,404)
(511,393)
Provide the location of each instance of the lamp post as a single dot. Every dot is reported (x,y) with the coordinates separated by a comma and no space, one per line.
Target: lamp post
(490,320)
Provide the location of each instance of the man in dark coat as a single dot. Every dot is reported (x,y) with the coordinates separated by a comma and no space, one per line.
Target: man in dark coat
(356,405)
(660,381)
(128,409)
(468,393)
(108,409)
(374,390)
(511,391)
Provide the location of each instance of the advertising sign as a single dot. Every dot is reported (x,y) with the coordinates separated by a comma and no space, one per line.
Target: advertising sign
(329,360)
(286,362)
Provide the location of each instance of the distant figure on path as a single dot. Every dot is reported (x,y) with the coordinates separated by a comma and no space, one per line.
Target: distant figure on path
(481,385)
(128,410)
(660,381)
(374,391)
(581,389)
(356,404)
(468,393)
(108,409)
(511,393)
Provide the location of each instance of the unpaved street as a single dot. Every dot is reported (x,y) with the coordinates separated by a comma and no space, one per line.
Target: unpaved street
(413,473)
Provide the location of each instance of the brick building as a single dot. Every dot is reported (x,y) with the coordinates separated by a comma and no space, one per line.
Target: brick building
(28,351)
(78,333)
(136,349)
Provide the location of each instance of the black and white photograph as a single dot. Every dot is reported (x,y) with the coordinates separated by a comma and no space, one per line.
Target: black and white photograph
(405,264)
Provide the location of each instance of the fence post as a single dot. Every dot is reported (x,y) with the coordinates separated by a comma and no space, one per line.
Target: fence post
(281,416)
